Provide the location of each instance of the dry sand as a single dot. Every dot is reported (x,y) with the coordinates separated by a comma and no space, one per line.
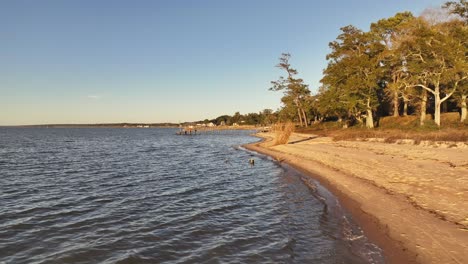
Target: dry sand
(412,200)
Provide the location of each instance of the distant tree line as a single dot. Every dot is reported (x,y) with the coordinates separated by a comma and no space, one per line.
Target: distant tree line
(402,65)
(262,118)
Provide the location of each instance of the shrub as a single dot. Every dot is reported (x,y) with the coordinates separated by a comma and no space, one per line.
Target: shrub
(283,131)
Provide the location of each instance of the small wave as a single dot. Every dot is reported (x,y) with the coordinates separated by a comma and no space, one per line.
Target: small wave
(132,196)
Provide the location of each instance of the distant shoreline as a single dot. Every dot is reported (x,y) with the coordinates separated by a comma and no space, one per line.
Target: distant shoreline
(134,125)
(104,125)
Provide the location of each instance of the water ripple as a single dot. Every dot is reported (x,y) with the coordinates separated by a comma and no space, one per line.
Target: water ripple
(147,196)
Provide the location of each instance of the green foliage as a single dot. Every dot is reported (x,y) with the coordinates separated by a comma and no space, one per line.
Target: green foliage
(296,92)
(394,62)
(353,73)
(401,59)
(436,58)
(394,76)
(264,118)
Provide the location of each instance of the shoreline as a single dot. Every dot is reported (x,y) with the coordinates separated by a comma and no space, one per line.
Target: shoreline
(404,231)
(127,126)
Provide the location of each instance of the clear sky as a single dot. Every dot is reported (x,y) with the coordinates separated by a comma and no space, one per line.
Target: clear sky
(164,61)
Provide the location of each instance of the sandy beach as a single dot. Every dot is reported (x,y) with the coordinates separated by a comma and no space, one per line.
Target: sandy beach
(411,200)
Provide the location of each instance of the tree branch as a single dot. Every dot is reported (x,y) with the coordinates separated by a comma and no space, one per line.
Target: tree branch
(424,87)
(453,90)
(448,95)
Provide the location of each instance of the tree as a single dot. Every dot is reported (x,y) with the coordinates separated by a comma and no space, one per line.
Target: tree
(354,71)
(458,8)
(387,30)
(295,91)
(333,101)
(224,119)
(458,32)
(436,61)
(397,58)
(461,9)
(252,119)
(236,118)
(267,117)
(461,97)
(312,104)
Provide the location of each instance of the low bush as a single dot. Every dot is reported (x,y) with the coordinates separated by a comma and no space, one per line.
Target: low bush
(282,132)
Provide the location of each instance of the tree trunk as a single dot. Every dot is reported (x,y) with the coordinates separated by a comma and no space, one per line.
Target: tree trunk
(439,101)
(437,108)
(395,104)
(299,115)
(305,118)
(405,108)
(423,107)
(463,108)
(369,118)
(316,119)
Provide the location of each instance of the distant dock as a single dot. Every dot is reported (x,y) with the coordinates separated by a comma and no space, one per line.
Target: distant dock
(200,130)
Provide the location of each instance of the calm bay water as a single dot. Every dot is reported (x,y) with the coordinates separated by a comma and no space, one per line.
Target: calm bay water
(147,196)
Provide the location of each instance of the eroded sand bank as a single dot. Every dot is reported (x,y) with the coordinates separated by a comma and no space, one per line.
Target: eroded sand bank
(411,199)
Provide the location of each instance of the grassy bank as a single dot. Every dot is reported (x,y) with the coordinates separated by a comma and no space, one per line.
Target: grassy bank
(392,129)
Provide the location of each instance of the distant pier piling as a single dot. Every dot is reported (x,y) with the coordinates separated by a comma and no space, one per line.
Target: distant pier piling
(201,130)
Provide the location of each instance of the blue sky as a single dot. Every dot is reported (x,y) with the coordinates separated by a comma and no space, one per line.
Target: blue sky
(164,61)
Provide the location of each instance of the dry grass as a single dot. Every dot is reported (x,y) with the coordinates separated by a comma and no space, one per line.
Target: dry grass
(401,122)
(282,132)
(393,135)
(393,129)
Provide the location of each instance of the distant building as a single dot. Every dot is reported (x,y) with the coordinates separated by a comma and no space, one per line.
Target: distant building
(211,124)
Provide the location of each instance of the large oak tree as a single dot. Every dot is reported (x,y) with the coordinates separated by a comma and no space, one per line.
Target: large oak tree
(354,71)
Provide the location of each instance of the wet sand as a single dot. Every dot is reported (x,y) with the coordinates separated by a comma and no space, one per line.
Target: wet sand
(411,200)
